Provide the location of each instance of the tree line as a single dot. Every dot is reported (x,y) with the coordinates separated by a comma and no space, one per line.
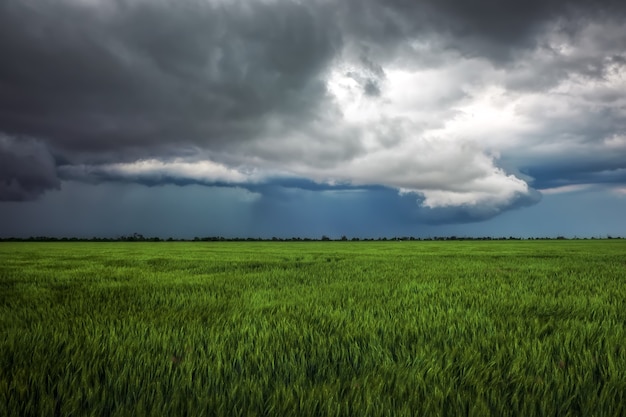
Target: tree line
(138,237)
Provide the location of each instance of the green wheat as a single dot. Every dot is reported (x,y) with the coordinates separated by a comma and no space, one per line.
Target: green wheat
(513,328)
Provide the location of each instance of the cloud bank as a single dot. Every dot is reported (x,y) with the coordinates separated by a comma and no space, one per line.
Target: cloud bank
(469,108)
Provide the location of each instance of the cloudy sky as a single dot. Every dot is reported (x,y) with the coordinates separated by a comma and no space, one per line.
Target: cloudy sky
(300,118)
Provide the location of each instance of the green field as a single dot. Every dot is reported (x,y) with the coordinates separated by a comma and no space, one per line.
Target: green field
(511,328)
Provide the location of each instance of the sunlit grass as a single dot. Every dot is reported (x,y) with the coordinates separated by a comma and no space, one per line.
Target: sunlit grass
(313,329)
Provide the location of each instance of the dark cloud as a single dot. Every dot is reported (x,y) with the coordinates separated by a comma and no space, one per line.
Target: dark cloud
(581,139)
(130,79)
(142,76)
(577,172)
(316,97)
(494,29)
(548,173)
(27,169)
(594,53)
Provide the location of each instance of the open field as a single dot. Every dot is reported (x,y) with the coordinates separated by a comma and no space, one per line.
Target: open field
(507,328)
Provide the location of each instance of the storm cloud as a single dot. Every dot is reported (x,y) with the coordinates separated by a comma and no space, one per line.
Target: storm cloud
(27,169)
(466,109)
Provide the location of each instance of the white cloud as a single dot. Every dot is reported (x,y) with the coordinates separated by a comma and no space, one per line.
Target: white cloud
(423,134)
(153,169)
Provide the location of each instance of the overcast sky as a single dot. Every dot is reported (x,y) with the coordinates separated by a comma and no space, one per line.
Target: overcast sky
(301,118)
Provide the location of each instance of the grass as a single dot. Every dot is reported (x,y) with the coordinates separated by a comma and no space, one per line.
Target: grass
(513,328)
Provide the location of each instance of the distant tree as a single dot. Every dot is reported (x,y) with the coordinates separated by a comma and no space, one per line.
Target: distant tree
(324,237)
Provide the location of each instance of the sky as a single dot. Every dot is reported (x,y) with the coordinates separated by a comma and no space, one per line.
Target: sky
(262,118)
